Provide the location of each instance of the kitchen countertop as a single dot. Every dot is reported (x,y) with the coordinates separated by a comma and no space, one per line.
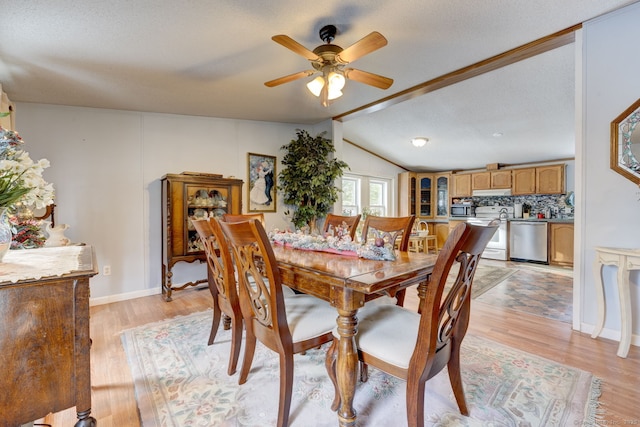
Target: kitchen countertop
(563,220)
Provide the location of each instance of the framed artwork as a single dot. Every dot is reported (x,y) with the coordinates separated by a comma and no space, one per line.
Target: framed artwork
(262,182)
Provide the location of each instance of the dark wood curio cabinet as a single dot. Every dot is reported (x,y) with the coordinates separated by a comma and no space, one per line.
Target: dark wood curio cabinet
(187,196)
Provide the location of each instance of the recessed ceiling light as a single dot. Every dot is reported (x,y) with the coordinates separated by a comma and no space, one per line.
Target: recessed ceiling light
(419,141)
(497,134)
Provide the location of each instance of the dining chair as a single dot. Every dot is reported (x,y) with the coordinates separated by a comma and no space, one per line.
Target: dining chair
(222,285)
(390,229)
(334,221)
(243,217)
(415,347)
(285,325)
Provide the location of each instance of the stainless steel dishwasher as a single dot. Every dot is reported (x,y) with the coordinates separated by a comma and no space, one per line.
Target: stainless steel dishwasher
(528,241)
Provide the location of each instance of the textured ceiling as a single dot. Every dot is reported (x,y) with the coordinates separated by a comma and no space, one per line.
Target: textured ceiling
(211,59)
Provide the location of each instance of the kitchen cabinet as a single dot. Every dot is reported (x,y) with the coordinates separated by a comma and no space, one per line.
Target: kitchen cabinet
(550,179)
(461,185)
(561,243)
(187,196)
(481,180)
(501,179)
(491,180)
(524,181)
(441,232)
(407,182)
(539,180)
(442,195)
(424,196)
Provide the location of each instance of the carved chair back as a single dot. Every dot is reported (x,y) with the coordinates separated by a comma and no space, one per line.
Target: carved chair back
(389,229)
(337,221)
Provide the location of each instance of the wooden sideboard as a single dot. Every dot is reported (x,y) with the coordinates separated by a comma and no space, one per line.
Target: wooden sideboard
(44,338)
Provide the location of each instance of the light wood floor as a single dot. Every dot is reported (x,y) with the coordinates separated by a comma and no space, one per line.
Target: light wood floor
(114,403)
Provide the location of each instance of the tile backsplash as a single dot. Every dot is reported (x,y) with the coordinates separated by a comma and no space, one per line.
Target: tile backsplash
(538,203)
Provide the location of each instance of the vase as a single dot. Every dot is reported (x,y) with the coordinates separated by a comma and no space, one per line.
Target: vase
(5,233)
(56,234)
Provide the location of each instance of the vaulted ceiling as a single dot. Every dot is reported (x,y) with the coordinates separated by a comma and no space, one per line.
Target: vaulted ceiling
(208,58)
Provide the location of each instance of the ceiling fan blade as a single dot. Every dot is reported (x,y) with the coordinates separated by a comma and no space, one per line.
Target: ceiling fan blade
(365,45)
(289,78)
(294,46)
(368,78)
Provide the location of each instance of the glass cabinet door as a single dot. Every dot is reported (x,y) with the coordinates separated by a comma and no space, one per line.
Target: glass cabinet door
(442,188)
(203,202)
(412,195)
(426,184)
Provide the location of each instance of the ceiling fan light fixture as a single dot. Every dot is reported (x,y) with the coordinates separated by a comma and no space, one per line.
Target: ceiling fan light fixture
(315,86)
(419,141)
(335,84)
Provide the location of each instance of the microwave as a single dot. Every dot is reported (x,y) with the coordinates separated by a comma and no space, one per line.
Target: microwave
(463,210)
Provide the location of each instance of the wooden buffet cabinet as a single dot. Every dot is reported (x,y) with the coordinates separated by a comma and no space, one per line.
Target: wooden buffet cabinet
(44,339)
(185,196)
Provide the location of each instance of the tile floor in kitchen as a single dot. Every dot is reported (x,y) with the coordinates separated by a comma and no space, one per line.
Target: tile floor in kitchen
(536,289)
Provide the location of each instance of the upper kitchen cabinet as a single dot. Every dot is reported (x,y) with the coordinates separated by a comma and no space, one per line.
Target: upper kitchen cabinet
(461,185)
(491,180)
(407,183)
(539,180)
(442,195)
(425,195)
(481,180)
(501,179)
(550,179)
(524,181)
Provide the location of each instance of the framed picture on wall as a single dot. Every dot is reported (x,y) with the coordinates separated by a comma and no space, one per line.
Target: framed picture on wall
(262,182)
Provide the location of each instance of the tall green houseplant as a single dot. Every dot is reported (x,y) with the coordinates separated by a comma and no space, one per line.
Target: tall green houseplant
(307,178)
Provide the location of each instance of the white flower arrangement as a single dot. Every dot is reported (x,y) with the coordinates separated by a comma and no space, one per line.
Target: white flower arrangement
(20,177)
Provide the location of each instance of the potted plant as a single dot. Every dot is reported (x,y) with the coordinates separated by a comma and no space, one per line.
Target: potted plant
(307,178)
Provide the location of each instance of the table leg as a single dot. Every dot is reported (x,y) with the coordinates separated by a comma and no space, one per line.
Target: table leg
(422,293)
(597,274)
(625,308)
(347,366)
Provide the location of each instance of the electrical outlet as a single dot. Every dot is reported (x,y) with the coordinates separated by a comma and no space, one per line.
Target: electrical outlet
(106,270)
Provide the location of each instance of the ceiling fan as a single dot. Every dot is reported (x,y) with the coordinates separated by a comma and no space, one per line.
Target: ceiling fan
(331,60)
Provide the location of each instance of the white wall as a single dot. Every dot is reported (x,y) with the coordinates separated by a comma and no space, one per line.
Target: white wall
(106,167)
(609,203)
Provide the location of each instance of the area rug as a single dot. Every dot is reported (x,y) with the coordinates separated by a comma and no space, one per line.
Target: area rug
(539,292)
(180,381)
(486,277)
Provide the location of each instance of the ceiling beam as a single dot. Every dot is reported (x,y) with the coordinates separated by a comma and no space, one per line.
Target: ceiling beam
(374,154)
(536,47)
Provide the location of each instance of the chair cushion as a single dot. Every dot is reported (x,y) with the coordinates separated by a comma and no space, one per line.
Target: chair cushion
(387,332)
(309,317)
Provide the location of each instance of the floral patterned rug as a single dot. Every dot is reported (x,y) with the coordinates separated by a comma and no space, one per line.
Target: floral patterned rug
(180,381)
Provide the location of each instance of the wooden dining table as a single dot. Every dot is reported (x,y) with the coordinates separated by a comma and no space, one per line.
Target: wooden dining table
(348,283)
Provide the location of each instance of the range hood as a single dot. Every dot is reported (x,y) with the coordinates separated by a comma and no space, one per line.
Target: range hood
(492,193)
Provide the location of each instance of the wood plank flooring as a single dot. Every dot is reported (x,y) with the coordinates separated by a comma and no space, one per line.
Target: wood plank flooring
(113,397)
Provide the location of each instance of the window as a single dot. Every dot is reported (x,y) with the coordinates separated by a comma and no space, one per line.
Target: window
(350,196)
(378,197)
(366,194)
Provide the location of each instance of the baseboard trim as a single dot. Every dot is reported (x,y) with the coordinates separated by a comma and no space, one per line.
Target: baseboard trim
(609,334)
(123,297)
